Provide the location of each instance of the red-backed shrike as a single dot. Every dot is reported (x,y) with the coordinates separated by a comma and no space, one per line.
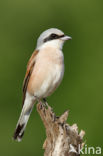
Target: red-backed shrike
(44,73)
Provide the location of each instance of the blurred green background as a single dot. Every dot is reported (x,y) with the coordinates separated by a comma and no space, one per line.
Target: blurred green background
(81,91)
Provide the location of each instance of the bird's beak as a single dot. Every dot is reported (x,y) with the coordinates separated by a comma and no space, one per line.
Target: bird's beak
(64,38)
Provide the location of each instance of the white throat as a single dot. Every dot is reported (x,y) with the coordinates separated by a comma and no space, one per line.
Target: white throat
(54,43)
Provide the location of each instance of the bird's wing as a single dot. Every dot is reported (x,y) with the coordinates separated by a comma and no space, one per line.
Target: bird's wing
(30,67)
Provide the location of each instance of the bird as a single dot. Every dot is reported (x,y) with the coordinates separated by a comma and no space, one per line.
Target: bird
(45,70)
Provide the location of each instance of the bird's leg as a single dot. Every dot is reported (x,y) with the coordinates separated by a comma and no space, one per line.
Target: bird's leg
(45,102)
(39,101)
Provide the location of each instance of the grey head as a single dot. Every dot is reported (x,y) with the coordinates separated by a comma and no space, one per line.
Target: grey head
(52,34)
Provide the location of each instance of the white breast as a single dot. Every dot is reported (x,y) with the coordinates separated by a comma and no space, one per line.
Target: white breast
(51,60)
(53,80)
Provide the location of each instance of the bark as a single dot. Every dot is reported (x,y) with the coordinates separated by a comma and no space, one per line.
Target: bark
(61,138)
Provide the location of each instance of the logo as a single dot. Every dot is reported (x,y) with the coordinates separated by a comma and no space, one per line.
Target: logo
(86,150)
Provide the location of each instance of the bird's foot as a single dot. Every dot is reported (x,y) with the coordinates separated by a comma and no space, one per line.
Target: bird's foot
(45,102)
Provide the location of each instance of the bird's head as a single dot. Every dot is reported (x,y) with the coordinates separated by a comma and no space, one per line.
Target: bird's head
(52,37)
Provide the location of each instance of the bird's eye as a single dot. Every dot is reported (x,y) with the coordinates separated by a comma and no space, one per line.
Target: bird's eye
(53,36)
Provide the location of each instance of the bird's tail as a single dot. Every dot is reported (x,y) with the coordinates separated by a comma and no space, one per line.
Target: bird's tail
(22,122)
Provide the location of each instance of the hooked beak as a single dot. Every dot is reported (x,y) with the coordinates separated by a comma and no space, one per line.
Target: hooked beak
(65,38)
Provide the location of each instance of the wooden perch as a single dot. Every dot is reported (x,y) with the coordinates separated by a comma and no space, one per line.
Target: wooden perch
(62,139)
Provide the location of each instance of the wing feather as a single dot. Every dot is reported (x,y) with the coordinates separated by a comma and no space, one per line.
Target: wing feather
(30,66)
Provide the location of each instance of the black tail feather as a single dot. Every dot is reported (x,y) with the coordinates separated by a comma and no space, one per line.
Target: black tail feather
(17,134)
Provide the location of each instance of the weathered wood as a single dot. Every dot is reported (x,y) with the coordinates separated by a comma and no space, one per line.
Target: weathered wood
(62,139)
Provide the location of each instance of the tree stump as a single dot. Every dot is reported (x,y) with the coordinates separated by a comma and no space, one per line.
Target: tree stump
(62,139)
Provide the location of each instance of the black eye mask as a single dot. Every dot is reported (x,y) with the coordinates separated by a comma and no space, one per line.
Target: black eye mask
(53,37)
